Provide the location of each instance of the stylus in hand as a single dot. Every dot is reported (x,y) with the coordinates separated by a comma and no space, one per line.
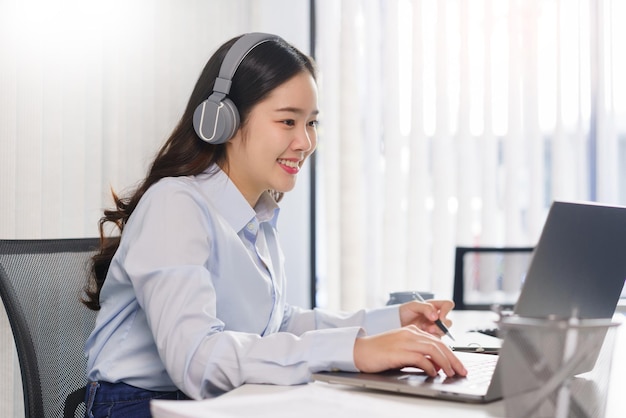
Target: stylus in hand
(438,321)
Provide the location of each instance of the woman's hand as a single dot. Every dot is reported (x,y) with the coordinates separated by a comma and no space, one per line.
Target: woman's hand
(424,314)
(407,346)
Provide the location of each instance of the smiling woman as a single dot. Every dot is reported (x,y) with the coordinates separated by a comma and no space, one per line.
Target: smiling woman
(283,127)
(89,90)
(191,290)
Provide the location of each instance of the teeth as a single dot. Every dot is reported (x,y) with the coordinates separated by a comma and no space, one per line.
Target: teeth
(292,164)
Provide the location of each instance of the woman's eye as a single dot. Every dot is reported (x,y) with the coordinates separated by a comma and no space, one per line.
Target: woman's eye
(289,122)
(314,123)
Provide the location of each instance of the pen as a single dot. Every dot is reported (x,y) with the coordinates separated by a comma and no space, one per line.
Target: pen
(438,321)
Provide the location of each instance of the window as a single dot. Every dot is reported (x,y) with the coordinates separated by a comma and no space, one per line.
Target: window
(458,122)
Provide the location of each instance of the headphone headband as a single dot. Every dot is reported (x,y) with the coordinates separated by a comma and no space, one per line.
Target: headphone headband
(240,49)
(216,119)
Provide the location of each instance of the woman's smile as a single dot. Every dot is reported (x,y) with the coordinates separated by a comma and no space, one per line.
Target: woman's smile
(290,166)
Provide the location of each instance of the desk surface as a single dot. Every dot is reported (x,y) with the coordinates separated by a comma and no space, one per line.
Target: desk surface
(317,399)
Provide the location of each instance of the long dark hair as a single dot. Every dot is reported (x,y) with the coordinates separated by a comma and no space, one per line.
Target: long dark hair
(264,68)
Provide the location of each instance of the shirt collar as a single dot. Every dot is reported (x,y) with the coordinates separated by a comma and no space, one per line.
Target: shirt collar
(267,209)
(226,198)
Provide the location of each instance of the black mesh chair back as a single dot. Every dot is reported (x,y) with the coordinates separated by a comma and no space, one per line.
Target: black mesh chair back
(41,284)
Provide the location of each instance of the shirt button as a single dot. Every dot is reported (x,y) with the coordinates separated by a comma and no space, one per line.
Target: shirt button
(251,227)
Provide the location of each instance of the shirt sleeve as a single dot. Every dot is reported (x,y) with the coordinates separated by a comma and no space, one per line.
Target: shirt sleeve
(166,256)
(373,321)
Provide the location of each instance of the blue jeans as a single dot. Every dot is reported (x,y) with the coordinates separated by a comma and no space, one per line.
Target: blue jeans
(119,400)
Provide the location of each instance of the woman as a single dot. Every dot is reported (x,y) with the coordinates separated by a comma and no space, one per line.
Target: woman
(191,297)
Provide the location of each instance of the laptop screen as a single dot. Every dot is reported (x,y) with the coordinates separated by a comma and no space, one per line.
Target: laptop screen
(579,265)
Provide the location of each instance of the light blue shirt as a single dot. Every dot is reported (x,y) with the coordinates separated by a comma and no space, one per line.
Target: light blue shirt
(195,299)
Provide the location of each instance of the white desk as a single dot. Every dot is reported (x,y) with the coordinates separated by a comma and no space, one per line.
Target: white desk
(321,400)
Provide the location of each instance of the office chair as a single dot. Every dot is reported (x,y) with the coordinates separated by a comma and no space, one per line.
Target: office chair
(485,277)
(41,284)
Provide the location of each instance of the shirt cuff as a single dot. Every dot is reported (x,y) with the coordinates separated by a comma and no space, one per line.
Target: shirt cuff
(334,349)
(382,319)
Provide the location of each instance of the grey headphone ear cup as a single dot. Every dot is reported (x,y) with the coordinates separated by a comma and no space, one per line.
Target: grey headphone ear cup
(217,119)
(216,122)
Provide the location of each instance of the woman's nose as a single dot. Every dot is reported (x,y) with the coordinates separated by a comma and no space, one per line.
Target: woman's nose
(306,141)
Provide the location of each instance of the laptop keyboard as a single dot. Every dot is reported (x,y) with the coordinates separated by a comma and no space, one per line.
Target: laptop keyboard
(480,368)
(481,372)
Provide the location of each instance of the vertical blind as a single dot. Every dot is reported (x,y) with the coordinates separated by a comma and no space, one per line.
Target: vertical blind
(458,122)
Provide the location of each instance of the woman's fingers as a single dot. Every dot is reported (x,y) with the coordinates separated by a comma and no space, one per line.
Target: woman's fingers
(435,330)
(435,355)
(408,346)
(424,314)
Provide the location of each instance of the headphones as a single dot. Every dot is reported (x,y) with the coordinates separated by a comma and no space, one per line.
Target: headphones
(216,119)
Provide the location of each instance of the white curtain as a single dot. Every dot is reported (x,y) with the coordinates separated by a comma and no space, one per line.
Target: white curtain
(458,122)
(88,92)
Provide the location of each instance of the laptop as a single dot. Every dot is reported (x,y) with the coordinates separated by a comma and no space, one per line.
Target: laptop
(578,267)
